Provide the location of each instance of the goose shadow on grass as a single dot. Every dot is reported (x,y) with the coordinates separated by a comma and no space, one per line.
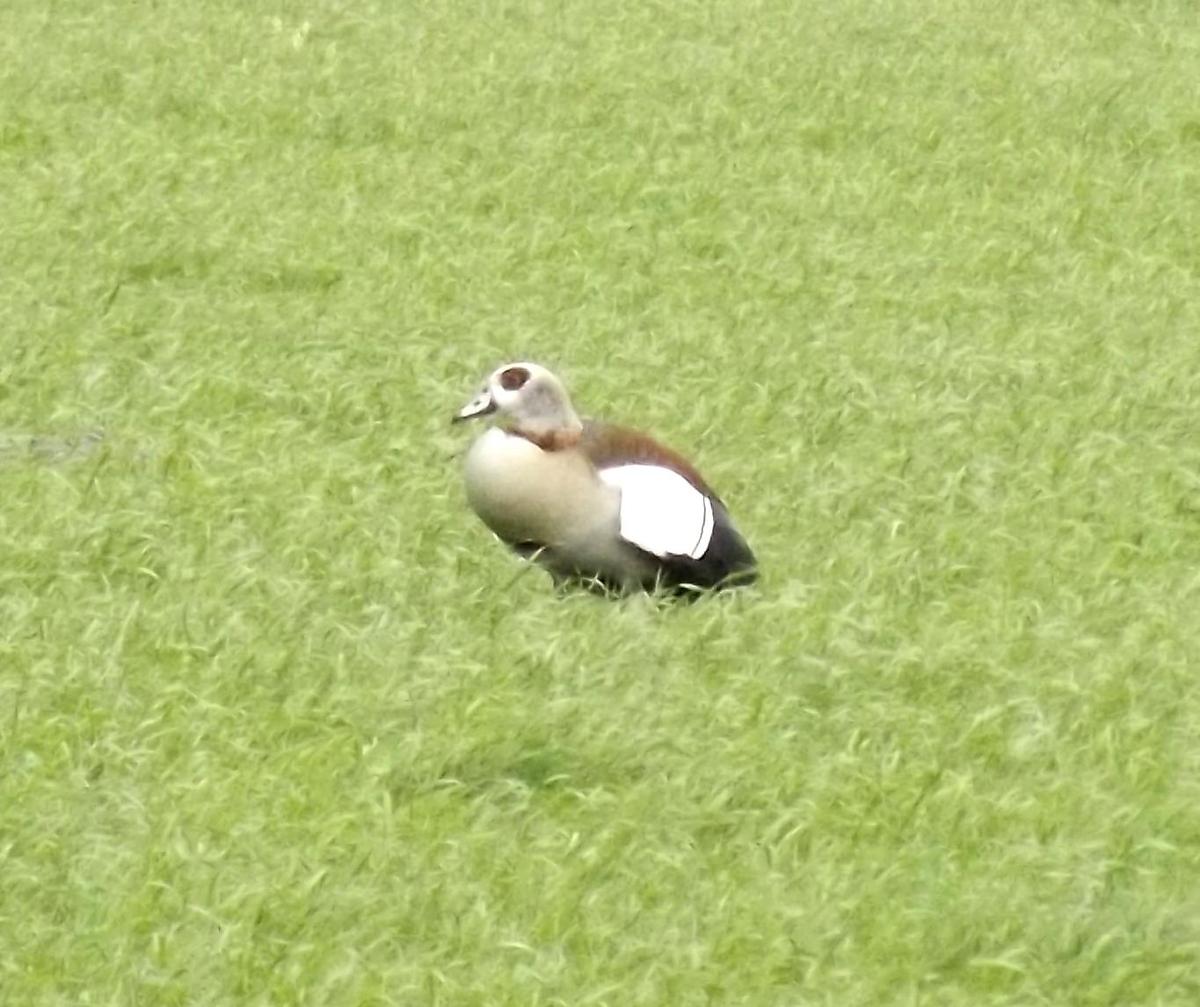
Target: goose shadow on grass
(52,449)
(540,769)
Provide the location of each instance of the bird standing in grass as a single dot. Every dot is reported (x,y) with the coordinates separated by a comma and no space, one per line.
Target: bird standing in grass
(593,503)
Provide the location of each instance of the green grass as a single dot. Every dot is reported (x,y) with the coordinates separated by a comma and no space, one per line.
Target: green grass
(918,287)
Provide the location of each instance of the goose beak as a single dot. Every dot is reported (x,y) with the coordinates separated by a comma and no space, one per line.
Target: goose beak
(481,405)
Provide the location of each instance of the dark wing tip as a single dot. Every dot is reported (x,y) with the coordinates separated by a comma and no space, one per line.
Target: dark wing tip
(729,558)
(728,562)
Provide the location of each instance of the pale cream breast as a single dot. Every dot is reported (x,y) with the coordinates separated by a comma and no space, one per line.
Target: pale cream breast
(526,494)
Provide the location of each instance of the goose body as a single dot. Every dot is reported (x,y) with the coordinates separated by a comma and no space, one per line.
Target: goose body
(592,502)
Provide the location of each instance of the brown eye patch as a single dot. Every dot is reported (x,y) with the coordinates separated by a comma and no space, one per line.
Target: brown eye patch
(513,378)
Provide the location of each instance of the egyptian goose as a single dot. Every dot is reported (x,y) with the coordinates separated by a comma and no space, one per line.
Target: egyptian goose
(593,503)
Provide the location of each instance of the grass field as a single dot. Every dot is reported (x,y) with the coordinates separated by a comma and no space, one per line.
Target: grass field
(917,284)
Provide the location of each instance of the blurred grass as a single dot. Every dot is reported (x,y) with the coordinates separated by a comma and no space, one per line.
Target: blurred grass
(915,284)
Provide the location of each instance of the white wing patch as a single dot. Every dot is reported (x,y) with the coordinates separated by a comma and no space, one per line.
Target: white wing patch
(661,512)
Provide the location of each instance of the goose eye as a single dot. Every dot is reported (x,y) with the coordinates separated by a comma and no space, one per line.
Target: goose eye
(513,378)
